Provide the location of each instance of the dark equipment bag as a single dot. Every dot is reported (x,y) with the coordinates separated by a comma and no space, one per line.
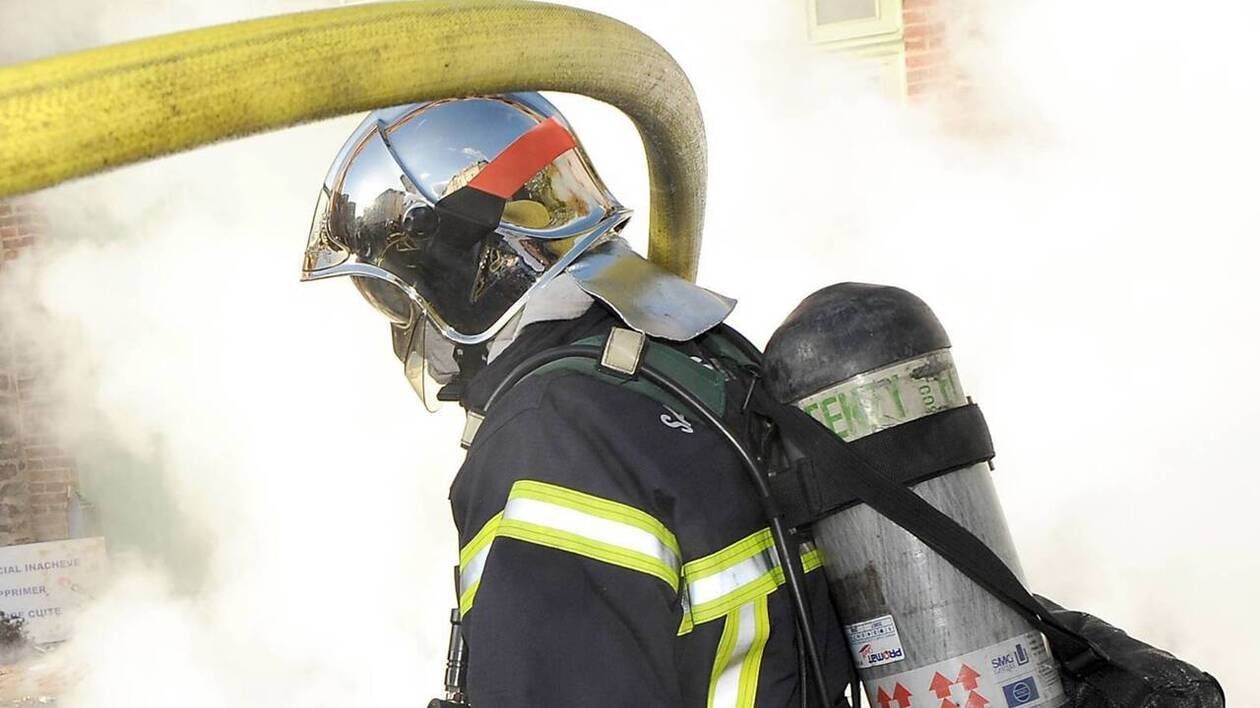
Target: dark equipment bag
(1137,674)
(1101,666)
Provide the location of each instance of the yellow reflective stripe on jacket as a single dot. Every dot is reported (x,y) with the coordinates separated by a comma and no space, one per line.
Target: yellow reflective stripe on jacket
(687,624)
(472,561)
(737,666)
(564,519)
(811,557)
(603,508)
(737,574)
(735,583)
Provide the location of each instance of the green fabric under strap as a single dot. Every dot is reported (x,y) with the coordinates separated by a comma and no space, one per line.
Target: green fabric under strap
(705,383)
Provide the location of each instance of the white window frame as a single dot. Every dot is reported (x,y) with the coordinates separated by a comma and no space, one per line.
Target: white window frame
(887,26)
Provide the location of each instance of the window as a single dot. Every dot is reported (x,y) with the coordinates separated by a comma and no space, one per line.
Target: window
(870,32)
(855,23)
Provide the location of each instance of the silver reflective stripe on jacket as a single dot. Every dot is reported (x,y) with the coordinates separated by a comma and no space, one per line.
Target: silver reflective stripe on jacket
(568,520)
(720,582)
(737,665)
(590,530)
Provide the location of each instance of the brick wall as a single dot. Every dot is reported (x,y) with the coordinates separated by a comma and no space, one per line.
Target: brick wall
(932,74)
(927,66)
(36,475)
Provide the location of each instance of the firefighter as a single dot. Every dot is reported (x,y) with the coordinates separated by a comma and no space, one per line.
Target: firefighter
(612,552)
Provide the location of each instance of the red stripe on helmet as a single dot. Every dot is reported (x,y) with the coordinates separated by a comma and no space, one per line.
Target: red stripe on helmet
(523,159)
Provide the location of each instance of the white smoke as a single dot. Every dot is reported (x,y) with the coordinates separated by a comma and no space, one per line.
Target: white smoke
(278,495)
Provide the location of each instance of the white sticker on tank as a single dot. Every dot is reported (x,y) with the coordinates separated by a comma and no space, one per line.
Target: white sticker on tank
(874,642)
(1016,673)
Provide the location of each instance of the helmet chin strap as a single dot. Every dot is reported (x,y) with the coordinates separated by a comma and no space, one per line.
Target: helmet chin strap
(450,367)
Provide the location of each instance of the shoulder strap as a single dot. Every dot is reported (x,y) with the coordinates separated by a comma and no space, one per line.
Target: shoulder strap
(623,352)
(877,488)
(697,378)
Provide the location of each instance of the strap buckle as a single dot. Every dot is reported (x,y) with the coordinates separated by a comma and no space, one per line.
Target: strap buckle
(623,352)
(472,423)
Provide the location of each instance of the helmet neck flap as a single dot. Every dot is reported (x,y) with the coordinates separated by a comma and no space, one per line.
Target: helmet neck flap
(647,297)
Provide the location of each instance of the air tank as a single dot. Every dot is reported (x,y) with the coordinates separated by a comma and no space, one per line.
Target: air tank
(861,359)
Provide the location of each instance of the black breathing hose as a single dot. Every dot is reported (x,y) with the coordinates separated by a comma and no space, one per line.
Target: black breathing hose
(793,570)
(753,354)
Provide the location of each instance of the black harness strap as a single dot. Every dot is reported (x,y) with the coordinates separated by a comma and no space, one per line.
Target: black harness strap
(910,453)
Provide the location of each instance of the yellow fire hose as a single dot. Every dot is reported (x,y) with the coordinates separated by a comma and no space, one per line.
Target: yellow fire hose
(80,113)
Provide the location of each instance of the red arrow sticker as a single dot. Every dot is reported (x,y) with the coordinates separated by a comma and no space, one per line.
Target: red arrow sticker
(977,679)
(967,678)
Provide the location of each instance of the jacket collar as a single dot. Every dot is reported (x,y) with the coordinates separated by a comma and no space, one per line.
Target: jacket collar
(532,339)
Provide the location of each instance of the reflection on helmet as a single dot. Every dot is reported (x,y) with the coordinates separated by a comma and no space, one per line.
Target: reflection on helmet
(457,209)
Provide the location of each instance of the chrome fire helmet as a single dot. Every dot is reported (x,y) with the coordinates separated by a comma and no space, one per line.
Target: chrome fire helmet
(456,210)
(450,214)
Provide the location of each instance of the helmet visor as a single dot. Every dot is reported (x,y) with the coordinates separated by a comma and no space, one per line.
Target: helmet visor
(409,344)
(386,297)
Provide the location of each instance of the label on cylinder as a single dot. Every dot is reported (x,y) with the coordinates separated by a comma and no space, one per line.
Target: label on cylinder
(1016,673)
(874,642)
(880,399)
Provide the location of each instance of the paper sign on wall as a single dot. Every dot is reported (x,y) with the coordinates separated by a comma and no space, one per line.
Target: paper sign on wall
(45,583)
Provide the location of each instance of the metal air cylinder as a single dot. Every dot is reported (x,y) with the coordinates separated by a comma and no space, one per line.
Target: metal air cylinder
(860,359)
